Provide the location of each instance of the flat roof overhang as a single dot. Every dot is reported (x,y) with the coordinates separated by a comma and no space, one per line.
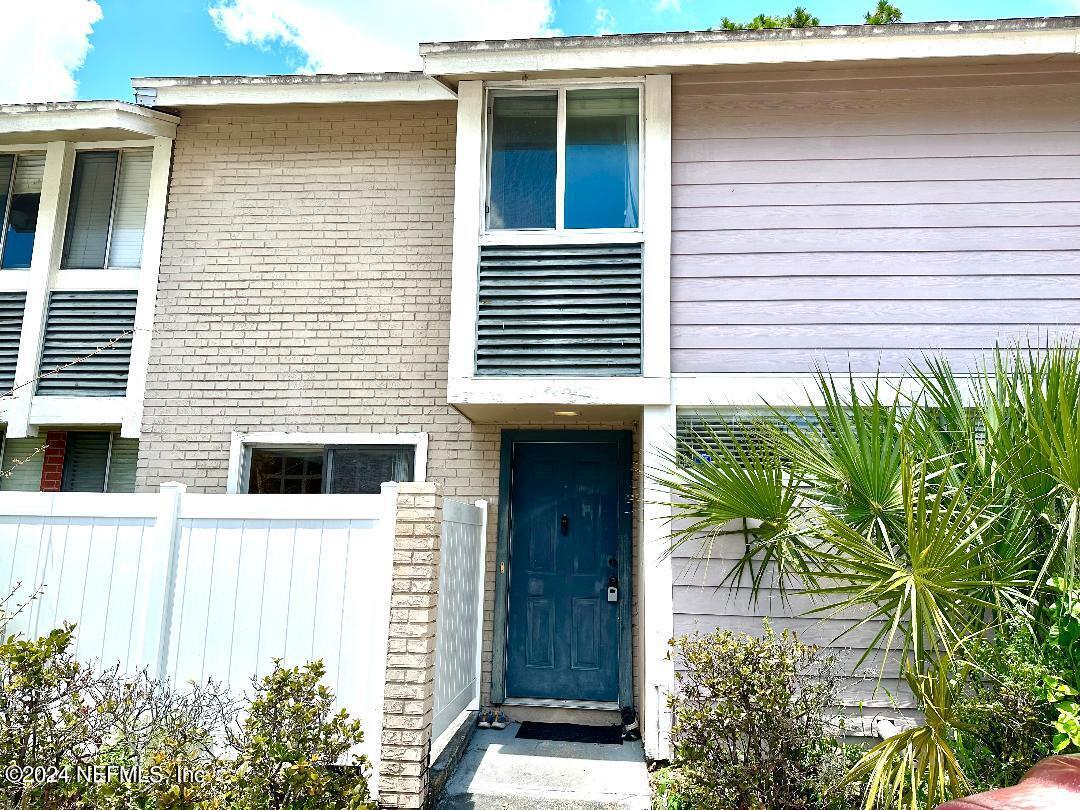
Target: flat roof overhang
(321,88)
(82,121)
(971,42)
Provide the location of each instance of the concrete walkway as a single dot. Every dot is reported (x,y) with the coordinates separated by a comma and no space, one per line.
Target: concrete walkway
(501,772)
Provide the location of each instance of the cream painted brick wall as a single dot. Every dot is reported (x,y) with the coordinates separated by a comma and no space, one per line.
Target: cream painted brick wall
(305,286)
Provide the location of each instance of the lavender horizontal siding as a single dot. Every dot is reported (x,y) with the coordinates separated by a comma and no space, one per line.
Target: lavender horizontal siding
(704,602)
(865,221)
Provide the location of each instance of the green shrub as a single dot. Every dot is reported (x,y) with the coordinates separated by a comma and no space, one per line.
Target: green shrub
(1005,717)
(291,746)
(196,748)
(749,724)
(49,717)
(668,790)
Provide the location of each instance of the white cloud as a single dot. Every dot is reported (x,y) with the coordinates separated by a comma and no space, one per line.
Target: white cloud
(667,5)
(339,36)
(605,21)
(42,44)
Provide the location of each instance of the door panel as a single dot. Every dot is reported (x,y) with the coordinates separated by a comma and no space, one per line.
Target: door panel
(562,632)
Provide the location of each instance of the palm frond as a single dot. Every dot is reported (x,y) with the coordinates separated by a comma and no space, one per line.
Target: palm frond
(719,477)
(919,766)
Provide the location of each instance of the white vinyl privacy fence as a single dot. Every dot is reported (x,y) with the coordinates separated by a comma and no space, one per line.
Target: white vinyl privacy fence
(212,586)
(460,614)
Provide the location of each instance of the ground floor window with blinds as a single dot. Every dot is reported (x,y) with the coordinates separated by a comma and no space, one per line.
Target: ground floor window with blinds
(341,470)
(94,461)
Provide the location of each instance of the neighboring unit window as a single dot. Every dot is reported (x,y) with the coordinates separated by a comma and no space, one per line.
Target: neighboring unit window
(597,168)
(22,463)
(99,461)
(109,192)
(352,470)
(20,185)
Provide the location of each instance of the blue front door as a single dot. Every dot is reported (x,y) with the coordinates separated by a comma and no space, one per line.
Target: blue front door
(562,629)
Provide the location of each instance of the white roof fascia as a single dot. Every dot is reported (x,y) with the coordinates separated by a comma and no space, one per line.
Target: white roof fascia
(831,44)
(207,91)
(82,116)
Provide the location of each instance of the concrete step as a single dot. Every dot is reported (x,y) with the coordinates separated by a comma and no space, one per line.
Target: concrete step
(548,802)
(501,772)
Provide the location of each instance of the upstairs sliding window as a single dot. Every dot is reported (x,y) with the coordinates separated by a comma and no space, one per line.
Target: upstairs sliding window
(107,214)
(564,159)
(20,197)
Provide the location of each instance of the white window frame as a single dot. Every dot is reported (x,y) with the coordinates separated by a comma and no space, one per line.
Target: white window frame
(242,443)
(534,236)
(120,152)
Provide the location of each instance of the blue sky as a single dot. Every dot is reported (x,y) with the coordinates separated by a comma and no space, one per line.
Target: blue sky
(57,49)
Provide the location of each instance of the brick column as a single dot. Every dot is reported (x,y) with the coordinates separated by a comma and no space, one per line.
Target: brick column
(410,663)
(52,463)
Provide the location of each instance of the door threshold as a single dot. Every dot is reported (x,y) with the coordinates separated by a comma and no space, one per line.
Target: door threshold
(555,703)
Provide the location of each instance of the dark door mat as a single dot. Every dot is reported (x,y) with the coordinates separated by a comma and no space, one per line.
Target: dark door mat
(570,732)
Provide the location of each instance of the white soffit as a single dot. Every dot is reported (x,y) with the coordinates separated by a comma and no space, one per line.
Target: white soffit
(82,121)
(193,91)
(985,40)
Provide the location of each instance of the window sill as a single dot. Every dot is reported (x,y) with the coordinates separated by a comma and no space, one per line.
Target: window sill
(593,236)
(112,279)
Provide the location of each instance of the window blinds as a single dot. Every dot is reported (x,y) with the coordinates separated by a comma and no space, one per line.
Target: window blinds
(129,217)
(109,193)
(123,462)
(29,172)
(22,461)
(91,202)
(7,163)
(86,460)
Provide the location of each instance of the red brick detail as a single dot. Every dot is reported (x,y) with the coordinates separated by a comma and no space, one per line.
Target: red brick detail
(52,468)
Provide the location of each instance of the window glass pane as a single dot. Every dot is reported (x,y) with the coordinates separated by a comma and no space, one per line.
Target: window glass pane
(285,472)
(86,458)
(523,144)
(132,191)
(363,470)
(91,204)
(601,159)
(23,211)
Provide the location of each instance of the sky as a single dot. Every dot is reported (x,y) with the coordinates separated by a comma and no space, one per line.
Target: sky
(52,50)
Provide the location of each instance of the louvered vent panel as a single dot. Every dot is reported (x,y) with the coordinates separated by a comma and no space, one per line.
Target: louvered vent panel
(696,430)
(556,311)
(12,305)
(78,324)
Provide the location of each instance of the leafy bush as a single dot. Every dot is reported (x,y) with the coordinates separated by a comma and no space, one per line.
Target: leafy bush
(91,739)
(749,723)
(1004,711)
(49,716)
(290,745)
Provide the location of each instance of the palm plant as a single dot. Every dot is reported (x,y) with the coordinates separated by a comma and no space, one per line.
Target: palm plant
(934,515)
